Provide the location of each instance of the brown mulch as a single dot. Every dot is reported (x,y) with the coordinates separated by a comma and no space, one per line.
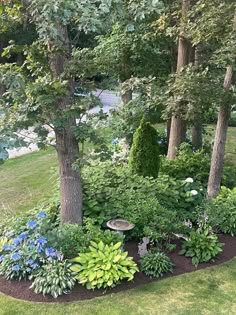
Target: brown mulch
(20,289)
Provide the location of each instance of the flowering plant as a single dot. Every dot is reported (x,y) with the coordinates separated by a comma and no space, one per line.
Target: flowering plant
(24,253)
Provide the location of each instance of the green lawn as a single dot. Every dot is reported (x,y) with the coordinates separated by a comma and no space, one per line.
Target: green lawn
(26,180)
(208,292)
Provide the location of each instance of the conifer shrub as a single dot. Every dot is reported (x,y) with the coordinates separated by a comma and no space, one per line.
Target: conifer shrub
(144,157)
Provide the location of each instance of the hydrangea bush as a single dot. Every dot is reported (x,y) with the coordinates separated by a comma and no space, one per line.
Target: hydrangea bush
(24,253)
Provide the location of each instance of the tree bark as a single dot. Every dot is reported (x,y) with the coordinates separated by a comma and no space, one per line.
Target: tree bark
(197,128)
(168,126)
(127,97)
(66,144)
(178,125)
(217,161)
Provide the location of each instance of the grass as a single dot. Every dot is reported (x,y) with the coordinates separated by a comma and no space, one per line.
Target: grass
(206,292)
(26,180)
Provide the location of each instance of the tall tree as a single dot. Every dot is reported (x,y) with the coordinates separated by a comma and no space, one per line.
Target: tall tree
(178,125)
(197,128)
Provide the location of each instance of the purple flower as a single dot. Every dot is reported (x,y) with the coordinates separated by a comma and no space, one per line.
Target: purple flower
(32,224)
(1,258)
(16,268)
(16,256)
(42,214)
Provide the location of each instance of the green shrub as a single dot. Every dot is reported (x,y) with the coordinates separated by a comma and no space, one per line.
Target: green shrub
(154,221)
(96,234)
(156,264)
(55,278)
(189,163)
(221,213)
(70,239)
(202,245)
(113,191)
(229,177)
(103,266)
(144,157)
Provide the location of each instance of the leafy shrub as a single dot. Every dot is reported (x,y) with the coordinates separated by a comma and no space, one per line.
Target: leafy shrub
(70,239)
(202,245)
(154,221)
(25,252)
(221,213)
(189,163)
(229,177)
(113,191)
(96,234)
(54,277)
(144,157)
(103,266)
(155,264)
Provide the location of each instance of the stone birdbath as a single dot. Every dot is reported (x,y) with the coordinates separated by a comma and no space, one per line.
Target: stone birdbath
(120,225)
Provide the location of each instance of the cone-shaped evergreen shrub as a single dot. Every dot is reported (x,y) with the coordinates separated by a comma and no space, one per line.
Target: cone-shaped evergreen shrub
(144,155)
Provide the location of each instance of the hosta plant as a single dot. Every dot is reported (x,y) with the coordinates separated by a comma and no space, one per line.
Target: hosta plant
(103,266)
(202,245)
(155,264)
(55,278)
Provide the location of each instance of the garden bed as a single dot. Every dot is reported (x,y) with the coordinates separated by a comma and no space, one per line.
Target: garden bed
(20,289)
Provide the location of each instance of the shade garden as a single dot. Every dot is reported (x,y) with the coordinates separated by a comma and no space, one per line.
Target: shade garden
(43,260)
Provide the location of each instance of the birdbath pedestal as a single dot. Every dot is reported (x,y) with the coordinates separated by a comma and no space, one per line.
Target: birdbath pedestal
(120,225)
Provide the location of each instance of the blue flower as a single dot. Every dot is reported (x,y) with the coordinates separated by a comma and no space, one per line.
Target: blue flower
(7,247)
(16,268)
(34,266)
(41,241)
(51,252)
(32,224)
(1,258)
(30,262)
(115,141)
(16,256)
(17,241)
(42,214)
(23,235)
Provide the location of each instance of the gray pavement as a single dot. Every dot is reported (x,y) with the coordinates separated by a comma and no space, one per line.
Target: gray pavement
(109,100)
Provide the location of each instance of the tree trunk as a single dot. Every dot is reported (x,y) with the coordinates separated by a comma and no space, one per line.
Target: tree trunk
(66,144)
(70,181)
(168,126)
(217,161)
(178,125)
(197,134)
(127,97)
(197,128)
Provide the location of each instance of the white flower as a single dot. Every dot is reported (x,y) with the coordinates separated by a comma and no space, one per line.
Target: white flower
(189,180)
(194,192)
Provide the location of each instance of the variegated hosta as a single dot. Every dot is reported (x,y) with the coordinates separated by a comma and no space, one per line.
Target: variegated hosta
(103,266)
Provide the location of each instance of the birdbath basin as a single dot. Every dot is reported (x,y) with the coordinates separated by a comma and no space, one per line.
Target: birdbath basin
(120,225)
